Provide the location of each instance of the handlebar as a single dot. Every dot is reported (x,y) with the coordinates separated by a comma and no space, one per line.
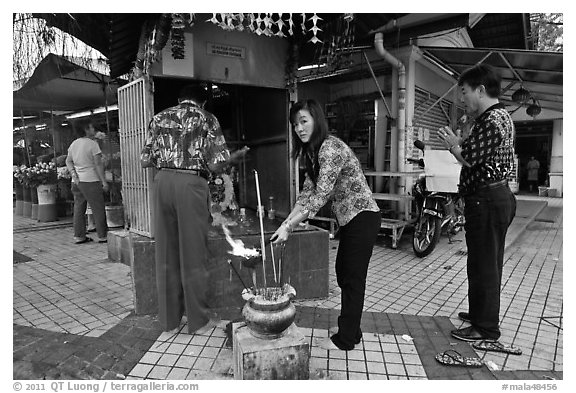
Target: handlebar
(419,161)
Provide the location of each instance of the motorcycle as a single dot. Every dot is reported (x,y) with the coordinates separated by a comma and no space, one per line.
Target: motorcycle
(435,211)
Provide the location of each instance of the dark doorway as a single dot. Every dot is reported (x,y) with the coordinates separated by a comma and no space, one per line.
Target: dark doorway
(252,116)
(533,138)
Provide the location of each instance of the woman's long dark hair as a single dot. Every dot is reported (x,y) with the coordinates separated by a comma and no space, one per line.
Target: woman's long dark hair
(319,134)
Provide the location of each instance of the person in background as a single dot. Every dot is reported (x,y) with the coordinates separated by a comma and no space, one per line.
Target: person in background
(487,158)
(84,162)
(334,173)
(533,167)
(186,143)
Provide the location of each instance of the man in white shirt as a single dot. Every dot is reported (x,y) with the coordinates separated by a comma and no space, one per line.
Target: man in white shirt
(84,162)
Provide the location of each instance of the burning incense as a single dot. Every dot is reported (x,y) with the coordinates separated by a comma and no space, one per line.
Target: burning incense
(261,226)
(238,248)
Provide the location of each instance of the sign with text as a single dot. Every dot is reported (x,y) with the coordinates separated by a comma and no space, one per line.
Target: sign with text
(226,50)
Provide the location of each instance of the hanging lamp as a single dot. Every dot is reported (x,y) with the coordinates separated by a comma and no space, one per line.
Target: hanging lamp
(521,95)
(533,109)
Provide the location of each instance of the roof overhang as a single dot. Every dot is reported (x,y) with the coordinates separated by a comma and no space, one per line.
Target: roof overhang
(59,84)
(541,73)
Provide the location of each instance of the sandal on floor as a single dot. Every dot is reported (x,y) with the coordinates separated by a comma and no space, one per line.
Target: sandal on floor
(496,346)
(85,240)
(453,358)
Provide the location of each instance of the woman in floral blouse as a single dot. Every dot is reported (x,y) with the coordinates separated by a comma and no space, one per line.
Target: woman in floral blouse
(333,173)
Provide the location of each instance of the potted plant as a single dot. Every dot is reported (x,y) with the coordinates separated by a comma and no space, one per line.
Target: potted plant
(46,178)
(27,182)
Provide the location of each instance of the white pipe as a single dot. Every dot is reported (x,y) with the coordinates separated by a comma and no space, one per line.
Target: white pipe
(401,119)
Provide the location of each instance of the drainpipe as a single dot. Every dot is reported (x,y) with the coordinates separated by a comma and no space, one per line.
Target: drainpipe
(399,127)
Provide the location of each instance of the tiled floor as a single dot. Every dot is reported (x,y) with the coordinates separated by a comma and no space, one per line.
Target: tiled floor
(63,291)
(378,356)
(75,289)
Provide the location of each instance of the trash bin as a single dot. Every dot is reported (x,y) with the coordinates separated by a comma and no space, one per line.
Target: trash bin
(542,191)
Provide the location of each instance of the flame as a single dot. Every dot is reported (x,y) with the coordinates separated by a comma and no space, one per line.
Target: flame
(238,248)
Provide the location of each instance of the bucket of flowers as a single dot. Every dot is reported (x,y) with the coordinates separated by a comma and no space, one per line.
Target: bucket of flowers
(45,177)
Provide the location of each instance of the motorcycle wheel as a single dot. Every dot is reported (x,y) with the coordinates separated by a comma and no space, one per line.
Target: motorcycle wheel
(426,235)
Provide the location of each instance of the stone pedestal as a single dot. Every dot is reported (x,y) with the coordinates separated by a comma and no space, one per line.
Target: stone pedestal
(143,265)
(287,357)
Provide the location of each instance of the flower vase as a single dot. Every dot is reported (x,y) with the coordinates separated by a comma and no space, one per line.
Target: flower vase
(47,208)
(27,206)
(19,188)
(34,197)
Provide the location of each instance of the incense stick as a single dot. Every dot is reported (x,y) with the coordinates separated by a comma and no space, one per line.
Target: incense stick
(273,263)
(238,274)
(261,214)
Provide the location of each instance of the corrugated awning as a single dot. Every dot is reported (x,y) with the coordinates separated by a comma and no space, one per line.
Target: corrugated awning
(541,73)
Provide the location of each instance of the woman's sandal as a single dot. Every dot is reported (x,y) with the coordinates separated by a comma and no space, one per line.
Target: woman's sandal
(453,358)
(496,346)
(85,240)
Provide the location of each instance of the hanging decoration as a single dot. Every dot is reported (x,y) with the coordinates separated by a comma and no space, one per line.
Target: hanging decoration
(292,68)
(177,36)
(270,24)
(336,51)
(333,39)
(315,29)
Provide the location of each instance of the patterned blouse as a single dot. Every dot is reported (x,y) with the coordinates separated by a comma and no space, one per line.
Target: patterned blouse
(186,137)
(340,180)
(489,149)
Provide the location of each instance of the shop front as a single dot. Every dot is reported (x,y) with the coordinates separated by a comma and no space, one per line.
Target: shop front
(245,75)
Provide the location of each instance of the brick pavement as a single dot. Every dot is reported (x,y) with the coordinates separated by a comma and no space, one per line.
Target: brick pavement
(73,317)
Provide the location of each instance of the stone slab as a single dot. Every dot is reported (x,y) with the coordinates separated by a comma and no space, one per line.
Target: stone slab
(143,265)
(119,246)
(287,357)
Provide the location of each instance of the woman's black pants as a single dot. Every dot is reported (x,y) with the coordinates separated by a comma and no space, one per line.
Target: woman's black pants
(357,240)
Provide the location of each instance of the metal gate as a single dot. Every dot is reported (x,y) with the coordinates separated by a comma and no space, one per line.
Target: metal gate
(134,114)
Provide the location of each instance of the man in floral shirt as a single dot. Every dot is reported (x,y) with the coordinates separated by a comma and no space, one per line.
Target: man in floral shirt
(487,158)
(186,143)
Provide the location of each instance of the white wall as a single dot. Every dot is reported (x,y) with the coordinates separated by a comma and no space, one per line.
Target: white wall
(557,147)
(245,58)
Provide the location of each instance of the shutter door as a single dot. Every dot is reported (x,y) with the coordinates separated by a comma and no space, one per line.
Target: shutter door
(426,126)
(134,114)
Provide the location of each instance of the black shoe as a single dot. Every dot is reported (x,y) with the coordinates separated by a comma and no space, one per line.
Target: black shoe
(470,334)
(334,330)
(464,316)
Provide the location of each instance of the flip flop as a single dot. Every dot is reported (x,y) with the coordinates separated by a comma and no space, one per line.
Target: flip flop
(85,240)
(452,358)
(496,346)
